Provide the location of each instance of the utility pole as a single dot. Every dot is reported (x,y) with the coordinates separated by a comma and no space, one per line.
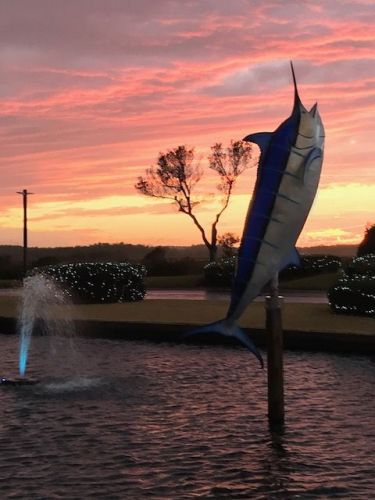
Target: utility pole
(24,194)
(275,372)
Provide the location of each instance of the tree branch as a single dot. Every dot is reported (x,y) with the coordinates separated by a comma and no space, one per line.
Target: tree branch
(176,174)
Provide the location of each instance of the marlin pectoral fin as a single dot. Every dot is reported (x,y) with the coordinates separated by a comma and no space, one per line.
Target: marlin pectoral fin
(292,259)
(262,139)
(224,327)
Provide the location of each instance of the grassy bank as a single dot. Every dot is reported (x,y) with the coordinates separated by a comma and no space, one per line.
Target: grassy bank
(169,282)
(10,283)
(304,317)
(318,282)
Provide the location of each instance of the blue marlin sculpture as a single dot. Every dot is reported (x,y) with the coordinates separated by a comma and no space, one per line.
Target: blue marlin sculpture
(287,180)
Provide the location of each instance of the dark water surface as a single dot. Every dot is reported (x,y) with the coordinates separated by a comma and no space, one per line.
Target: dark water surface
(132,420)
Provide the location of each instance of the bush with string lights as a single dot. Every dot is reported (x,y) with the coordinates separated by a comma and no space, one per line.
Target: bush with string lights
(354,292)
(221,273)
(311,265)
(97,282)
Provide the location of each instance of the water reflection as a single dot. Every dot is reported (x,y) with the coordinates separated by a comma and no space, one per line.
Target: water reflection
(143,420)
(276,463)
(300,296)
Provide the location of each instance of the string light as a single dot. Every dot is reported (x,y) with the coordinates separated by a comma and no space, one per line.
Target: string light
(354,293)
(222,272)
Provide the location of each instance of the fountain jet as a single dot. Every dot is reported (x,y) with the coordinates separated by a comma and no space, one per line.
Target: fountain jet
(41,299)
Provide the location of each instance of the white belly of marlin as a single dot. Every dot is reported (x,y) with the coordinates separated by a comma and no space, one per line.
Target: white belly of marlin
(292,204)
(287,181)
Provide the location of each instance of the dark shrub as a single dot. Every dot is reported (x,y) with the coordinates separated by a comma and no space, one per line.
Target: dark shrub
(364,266)
(320,263)
(180,267)
(311,265)
(98,282)
(367,246)
(9,270)
(157,264)
(220,273)
(354,293)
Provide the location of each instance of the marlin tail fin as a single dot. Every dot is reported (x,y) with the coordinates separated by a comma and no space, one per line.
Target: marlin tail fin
(229,329)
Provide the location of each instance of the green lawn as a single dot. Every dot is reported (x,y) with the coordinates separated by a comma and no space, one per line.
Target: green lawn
(10,283)
(186,281)
(321,281)
(304,317)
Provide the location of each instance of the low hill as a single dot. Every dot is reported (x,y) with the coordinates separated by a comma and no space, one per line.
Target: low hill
(133,253)
(339,250)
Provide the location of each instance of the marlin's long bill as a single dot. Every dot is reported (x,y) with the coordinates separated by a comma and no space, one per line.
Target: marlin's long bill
(228,329)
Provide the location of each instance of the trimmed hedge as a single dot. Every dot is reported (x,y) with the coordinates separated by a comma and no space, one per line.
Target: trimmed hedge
(364,266)
(221,273)
(312,265)
(354,292)
(97,282)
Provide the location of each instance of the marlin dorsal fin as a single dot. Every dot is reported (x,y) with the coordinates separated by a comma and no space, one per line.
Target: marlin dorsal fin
(262,139)
(297,99)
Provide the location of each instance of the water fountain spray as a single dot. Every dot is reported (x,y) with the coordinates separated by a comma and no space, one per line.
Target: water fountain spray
(41,300)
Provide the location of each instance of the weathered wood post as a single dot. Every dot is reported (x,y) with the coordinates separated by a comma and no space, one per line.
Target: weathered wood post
(24,194)
(275,373)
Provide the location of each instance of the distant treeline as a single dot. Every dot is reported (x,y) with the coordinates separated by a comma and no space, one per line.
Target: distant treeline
(11,256)
(164,260)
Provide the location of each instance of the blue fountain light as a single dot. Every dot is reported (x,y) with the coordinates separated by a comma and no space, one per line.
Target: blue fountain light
(24,351)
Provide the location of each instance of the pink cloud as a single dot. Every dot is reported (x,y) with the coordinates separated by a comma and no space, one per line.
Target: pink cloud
(92,91)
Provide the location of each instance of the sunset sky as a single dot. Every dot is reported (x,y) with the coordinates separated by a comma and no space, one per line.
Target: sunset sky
(92,90)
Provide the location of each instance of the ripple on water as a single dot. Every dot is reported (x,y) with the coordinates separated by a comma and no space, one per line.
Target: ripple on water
(138,420)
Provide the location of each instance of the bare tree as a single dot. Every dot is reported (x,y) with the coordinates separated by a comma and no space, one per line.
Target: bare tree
(177,173)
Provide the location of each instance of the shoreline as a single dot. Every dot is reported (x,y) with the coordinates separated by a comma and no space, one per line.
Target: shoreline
(309,327)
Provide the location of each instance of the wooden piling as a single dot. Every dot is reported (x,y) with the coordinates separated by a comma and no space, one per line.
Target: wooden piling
(275,373)
(24,194)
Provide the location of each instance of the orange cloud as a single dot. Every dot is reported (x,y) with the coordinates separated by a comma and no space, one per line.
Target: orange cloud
(87,106)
